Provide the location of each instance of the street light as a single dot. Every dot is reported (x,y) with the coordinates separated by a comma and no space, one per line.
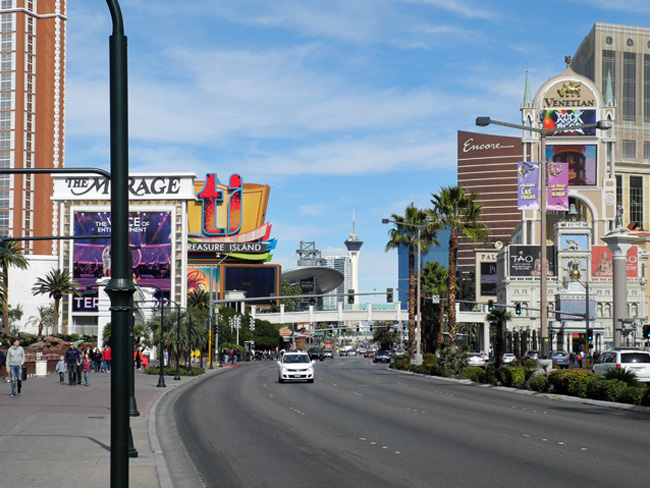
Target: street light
(161,344)
(575,276)
(417,359)
(543,132)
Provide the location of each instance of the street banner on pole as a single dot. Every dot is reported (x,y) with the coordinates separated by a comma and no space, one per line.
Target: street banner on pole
(528,185)
(558,187)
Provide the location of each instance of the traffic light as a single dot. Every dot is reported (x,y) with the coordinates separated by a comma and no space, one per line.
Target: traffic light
(518,308)
(490,305)
(389,295)
(590,334)
(646,331)
(350,296)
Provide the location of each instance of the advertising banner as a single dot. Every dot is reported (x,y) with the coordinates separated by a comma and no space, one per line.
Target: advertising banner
(149,240)
(527,182)
(558,119)
(558,187)
(489,279)
(602,264)
(526,261)
(581,159)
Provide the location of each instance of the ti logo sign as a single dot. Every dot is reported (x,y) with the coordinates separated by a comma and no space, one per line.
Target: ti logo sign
(210,196)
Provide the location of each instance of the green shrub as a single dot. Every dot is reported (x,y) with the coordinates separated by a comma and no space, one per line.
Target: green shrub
(570,381)
(474,373)
(622,374)
(171,371)
(607,390)
(429,359)
(530,363)
(491,377)
(645,401)
(539,383)
(633,395)
(399,363)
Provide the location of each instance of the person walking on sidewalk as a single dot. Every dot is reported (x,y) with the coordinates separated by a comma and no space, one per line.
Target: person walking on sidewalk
(107,357)
(61,369)
(72,359)
(3,360)
(15,361)
(87,365)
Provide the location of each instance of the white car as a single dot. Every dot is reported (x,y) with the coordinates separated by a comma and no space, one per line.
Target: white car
(296,366)
(635,360)
(476,359)
(508,358)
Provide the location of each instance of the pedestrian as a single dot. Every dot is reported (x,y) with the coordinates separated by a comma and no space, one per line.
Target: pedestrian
(72,359)
(107,357)
(137,356)
(87,366)
(581,356)
(61,369)
(15,361)
(145,361)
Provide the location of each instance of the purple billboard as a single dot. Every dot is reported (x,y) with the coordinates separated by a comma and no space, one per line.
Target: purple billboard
(149,240)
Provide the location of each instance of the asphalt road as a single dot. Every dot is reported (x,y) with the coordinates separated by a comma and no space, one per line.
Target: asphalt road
(360,424)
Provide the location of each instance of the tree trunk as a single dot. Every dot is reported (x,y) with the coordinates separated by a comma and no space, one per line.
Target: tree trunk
(411,302)
(451,311)
(55,321)
(5,301)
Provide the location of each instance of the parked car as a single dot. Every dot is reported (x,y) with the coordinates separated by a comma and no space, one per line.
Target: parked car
(296,366)
(531,355)
(381,357)
(635,360)
(508,358)
(560,358)
(369,353)
(476,359)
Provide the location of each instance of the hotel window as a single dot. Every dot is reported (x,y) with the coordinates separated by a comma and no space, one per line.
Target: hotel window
(619,191)
(609,66)
(636,199)
(646,151)
(5,120)
(629,86)
(629,149)
(6,62)
(6,23)
(7,4)
(646,88)
(6,82)
(6,42)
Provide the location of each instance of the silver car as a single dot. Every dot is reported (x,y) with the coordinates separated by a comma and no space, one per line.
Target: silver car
(635,360)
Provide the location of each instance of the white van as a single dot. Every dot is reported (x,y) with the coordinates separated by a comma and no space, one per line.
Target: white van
(631,359)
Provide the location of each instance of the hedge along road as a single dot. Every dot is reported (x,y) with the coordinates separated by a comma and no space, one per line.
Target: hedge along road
(362,424)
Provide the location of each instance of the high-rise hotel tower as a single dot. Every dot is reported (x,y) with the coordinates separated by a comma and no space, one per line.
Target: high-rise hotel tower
(32,103)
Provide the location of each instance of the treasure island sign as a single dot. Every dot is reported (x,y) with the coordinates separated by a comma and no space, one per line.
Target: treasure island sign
(228,219)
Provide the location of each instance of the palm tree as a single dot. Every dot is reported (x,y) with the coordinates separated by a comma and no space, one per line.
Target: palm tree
(198,299)
(435,281)
(11,255)
(44,319)
(459,212)
(414,222)
(498,317)
(57,284)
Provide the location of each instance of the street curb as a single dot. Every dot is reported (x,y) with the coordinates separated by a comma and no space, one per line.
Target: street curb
(164,477)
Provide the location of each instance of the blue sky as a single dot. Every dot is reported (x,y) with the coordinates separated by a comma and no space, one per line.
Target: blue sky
(341,106)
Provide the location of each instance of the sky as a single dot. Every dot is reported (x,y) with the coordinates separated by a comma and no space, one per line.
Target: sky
(347,109)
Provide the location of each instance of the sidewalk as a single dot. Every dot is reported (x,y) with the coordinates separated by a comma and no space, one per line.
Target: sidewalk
(59,435)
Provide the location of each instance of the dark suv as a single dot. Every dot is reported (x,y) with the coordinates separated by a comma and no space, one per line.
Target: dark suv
(316,353)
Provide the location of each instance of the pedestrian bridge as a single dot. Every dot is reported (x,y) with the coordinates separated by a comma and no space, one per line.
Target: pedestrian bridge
(369,314)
